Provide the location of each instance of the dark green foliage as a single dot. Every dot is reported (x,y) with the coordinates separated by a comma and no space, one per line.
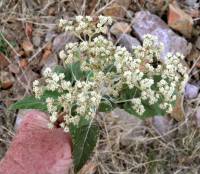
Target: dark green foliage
(84,138)
(31,102)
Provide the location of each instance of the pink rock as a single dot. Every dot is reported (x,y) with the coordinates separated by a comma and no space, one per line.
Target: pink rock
(36,149)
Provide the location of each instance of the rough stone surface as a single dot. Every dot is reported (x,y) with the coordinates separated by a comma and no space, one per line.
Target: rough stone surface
(36,41)
(60,41)
(119,28)
(179,20)
(36,149)
(6,80)
(117,9)
(3,61)
(162,124)
(132,126)
(147,23)
(191,91)
(128,41)
(20,117)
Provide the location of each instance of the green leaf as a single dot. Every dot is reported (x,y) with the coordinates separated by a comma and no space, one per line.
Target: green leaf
(75,70)
(105,106)
(127,93)
(60,69)
(33,103)
(150,110)
(29,103)
(84,138)
(52,94)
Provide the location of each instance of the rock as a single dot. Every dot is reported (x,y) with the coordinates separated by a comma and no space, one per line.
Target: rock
(36,41)
(21,116)
(61,40)
(129,14)
(27,47)
(27,77)
(13,68)
(162,124)
(156,6)
(51,62)
(3,61)
(192,3)
(147,23)
(35,149)
(6,80)
(128,41)
(120,28)
(179,20)
(191,91)
(132,126)
(197,44)
(117,9)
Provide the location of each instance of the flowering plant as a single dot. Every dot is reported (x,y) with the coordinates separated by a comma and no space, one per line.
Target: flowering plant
(98,76)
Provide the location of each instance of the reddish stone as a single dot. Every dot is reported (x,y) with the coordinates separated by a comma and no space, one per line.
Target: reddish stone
(3,61)
(36,149)
(179,20)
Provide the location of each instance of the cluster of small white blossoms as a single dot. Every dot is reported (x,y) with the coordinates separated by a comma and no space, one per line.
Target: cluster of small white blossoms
(136,69)
(86,24)
(82,96)
(113,68)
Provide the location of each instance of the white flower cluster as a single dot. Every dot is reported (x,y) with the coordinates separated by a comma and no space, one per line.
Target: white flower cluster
(82,97)
(112,67)
(86,24)
(138,69)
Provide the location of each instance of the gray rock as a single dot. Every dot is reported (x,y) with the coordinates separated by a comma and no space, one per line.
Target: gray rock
(128,41)
(133,127)
(147,23)
(191,91)
(36,41)
(120,28)
(61,40)
(162,124)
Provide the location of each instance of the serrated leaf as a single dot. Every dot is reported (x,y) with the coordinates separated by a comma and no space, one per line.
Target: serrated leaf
(84,138)
(105,106)
(127,93)
(29,103)
(66,71)
(75,70)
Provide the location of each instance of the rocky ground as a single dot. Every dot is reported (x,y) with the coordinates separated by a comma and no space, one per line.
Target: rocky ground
(30,42)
